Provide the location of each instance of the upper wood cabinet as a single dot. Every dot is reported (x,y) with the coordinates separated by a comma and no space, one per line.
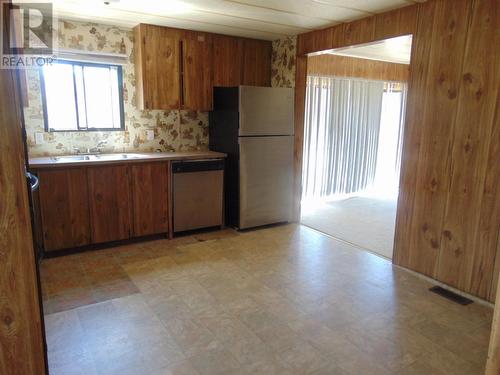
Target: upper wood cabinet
(150,193)
(197,73)
(228,58)
(178,68)
(256,62)
(157,68)
(109,197)
(64,208)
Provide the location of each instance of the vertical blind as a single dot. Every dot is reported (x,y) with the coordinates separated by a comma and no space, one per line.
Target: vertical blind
(341,135)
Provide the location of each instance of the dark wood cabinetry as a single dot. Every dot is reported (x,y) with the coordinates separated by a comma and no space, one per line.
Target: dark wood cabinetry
(157,65)
(197,74)
(178,68)
(228,58)
(150,198)
(109,197)
(65,215)
(256,63)
(94,204)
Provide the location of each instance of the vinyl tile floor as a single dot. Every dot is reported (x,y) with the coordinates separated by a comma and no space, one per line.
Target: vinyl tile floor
(282,300)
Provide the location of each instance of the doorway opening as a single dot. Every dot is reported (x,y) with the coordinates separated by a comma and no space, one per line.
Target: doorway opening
(353,137)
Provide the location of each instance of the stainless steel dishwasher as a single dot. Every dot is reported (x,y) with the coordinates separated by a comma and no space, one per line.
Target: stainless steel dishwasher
(198,194)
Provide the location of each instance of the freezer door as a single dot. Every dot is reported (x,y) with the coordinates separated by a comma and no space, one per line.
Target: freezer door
(266,165)
(266,111)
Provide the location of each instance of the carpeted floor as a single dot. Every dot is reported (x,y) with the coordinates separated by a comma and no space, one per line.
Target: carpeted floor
(365,222)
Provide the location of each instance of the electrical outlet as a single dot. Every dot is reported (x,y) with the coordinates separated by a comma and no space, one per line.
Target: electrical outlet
(39,138)
(150,135)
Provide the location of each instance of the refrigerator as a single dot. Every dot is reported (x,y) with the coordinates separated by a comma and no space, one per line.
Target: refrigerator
(254,126)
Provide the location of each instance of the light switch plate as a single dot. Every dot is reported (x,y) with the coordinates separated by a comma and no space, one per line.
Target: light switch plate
(39,138)
(150,135)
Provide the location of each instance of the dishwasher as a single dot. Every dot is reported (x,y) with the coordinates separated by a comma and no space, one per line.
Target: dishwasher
(198,194)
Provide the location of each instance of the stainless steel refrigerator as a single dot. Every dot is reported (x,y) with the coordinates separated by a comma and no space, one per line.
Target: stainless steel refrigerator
(255,127)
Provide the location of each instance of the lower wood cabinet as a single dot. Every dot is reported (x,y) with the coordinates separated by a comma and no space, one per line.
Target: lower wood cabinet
(96,204)
(150,193)
(109,197)
(64,202)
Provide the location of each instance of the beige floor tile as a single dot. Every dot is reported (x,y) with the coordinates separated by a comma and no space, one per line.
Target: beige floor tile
(282,300)
(215,362)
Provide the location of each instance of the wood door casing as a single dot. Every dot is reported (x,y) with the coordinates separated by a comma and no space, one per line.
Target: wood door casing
(197,75)
(150,198)
(64,206)
(109,196)
(21,326)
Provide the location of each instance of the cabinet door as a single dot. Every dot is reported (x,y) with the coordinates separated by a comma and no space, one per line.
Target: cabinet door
(64,207)
(227,61)
(197,75)
(150,198)
(157,68)
(109,195)
(256,63)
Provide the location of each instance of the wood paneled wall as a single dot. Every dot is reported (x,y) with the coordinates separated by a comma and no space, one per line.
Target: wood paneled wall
(21,337)
(448,218)
(343,66)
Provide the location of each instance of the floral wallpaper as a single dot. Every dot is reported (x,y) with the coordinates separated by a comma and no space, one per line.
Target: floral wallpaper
(174,130)
(283,62)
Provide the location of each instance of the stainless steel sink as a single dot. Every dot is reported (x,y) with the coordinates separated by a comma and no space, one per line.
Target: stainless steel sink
(69,158)
(119,156)
(97,157)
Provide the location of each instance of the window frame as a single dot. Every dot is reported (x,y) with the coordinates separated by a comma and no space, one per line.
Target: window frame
(81,129)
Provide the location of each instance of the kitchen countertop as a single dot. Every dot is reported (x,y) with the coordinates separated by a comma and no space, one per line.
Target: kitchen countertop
(118,158)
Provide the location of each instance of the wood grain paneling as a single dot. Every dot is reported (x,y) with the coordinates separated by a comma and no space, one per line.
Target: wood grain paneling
(300,98)
(419,71)
(437,121)
(197,74)
(150,193)
(109,196)
(378,27)
(488,232)
(157,68)
(21,337)
(228,58)
(360,31)
(343,66)
(448,217)
(64,206)
(477,99)
(256,63)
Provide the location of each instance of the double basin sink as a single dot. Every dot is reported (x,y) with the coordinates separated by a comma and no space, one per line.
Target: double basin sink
(96,157)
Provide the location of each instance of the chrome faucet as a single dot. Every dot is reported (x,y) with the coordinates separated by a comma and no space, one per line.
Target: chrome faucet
(93,150)
(97,147)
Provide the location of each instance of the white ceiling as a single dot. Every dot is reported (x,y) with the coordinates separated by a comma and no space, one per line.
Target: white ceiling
(263,19)
(395,50)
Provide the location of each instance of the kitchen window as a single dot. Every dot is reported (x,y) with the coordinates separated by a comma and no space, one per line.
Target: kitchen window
(82,96)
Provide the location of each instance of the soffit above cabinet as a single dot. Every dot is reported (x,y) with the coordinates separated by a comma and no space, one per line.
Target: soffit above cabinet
(261,19)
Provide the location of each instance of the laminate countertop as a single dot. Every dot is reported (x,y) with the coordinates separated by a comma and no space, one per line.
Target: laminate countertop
(57,161)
